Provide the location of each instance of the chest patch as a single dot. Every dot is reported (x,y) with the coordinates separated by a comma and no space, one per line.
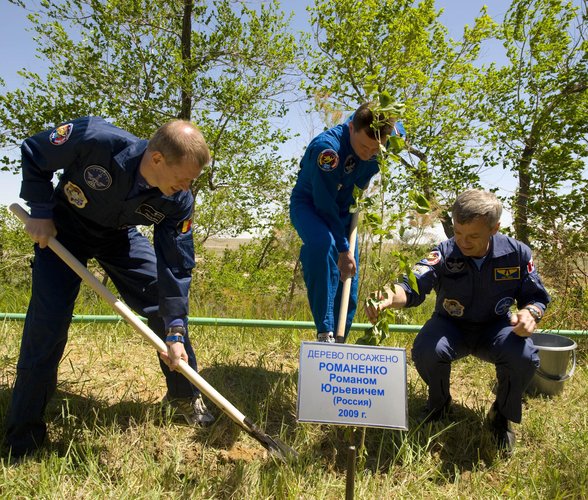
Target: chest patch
(328,160)
(453,308)
(75,195)
(61,134)
(150,213)
(97,177)
(454,265)
(349,164)
(507,273)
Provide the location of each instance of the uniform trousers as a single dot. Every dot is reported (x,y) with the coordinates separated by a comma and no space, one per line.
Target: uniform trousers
(319,257)
(129,260)
(443,340)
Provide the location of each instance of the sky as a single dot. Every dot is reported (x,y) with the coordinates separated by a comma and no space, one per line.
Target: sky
(17,51)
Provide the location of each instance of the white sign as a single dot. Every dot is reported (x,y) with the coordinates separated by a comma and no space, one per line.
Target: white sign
(350,384)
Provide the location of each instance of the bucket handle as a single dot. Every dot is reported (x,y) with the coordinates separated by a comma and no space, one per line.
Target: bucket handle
(557,378)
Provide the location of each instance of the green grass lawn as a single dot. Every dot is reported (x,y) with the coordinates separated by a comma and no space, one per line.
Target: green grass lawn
(108,438)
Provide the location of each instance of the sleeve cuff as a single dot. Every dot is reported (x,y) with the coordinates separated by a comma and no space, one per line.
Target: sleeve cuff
(41,210)
(171,321)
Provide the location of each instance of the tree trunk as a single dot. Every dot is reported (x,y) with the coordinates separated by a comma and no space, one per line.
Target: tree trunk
(447,224)
(186,110)
(521,206)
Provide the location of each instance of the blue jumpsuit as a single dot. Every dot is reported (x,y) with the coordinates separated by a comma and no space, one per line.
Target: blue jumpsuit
(319,211)
(472,314)
(99,201)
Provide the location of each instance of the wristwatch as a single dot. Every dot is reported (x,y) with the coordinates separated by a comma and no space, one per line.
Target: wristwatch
(535,312)
(175,334)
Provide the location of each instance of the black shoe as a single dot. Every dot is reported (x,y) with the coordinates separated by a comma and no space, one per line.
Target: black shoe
(503,434)
(434,415)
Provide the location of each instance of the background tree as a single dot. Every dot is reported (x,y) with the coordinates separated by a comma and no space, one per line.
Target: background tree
(139,63)
(403,48)
(536,108)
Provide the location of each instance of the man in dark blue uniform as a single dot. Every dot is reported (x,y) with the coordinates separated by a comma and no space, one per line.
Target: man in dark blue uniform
(334,162)
(111,182)
(477,275)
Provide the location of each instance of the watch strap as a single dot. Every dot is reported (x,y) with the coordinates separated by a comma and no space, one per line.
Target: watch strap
(535,312)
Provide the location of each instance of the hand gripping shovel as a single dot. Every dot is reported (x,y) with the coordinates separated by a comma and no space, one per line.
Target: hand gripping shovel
(276,447)
(340,334)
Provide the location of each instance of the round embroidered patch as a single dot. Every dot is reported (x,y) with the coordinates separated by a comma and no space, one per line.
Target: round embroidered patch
(97,177)
(503,306)
(328,160)
(61,134)
(75,195)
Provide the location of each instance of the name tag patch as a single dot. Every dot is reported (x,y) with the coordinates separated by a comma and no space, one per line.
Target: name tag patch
(150,213)
(507,273)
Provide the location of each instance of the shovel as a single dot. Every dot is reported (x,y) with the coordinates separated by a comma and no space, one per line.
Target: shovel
(276,447)
(340,334)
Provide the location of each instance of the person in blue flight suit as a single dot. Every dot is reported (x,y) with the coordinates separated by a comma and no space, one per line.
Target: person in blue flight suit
(334,162)
(477,276)
(111,182)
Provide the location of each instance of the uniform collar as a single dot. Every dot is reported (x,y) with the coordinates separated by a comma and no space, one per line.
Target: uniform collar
(129,158)
(498,247)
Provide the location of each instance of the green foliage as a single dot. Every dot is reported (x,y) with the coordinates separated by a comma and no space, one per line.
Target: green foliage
(536,108)
(129,61)
(255,280)
(16,253)
(402,49)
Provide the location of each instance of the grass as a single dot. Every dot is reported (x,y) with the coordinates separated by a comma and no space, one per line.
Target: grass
(109,439)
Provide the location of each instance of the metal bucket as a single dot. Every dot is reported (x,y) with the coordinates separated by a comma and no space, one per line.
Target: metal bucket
(554,353)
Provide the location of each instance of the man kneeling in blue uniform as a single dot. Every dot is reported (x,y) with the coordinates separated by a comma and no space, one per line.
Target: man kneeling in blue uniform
(334,162)
(477,275)
(111,182)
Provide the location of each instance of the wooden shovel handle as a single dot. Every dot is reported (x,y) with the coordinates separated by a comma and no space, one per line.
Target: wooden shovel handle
(344,306)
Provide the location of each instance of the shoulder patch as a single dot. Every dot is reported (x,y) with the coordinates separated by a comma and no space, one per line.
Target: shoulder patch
(327,160)
(185,226)
(420,269)
(530,266)
(434,257)
(75,195)
(61,134)
(97,177)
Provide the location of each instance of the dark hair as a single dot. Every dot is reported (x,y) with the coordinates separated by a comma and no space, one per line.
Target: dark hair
(363,119)
(475,203)
(178,140)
